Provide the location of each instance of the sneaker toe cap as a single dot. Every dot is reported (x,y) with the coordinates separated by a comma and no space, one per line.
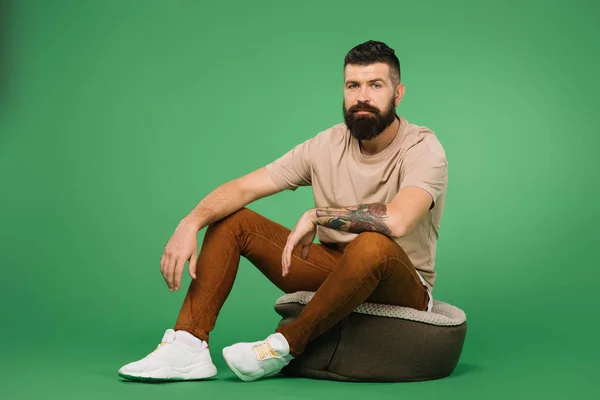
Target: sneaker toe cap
(133,368)
(242,359)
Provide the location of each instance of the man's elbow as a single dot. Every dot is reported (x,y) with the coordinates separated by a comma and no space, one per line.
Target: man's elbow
(401,227)
(398,230)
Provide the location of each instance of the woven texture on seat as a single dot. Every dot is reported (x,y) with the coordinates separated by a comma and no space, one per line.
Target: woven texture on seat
(441,314)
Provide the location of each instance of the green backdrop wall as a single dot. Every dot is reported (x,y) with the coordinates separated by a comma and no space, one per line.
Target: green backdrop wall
(117,117)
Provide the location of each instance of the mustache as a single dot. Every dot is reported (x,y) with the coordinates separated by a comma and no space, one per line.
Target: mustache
(363,107)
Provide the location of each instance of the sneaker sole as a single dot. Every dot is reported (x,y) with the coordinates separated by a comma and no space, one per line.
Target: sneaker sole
(202,373)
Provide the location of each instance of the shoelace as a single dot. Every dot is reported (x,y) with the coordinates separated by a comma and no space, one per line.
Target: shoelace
(264,351)
(161,344)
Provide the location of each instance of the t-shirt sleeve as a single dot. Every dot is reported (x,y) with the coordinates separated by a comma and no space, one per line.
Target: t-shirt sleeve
(294,168)
(428,171)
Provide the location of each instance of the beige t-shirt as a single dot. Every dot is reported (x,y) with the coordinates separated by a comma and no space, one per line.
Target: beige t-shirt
(340,175)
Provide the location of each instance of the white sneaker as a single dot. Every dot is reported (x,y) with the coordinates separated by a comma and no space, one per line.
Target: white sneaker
(173,360)
(252,361)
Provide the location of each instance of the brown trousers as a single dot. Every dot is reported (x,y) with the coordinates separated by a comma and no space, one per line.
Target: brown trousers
(371,268)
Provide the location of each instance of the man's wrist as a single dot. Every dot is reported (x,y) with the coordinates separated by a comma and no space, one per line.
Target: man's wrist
(311,215)
(192,221)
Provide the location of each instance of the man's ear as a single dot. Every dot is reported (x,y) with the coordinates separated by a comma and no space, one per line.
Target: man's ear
(399,93)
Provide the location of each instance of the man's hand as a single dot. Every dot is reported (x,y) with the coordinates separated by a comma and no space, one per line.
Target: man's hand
(303,234)
(181,247)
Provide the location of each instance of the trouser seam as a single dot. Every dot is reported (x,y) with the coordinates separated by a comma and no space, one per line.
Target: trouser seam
(212,294)
(277,245)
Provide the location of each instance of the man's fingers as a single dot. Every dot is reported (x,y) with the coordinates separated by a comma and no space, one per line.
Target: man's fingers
(284,261)
(178,272)
(304,252)
(168,270)
(192,265)
(287,257)
(163,269)
(287,253)
(171,264)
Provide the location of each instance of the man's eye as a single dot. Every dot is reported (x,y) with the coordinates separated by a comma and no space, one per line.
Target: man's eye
(352,86)
(377,86)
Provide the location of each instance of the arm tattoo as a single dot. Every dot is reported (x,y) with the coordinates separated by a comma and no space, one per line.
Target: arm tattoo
(355,219)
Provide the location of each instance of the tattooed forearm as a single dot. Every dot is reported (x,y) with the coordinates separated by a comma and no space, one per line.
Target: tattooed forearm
(355,219)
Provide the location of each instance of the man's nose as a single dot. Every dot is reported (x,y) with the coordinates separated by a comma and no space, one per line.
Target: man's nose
(363,96)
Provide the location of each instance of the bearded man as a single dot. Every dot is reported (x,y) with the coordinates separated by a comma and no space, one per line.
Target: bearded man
(379,184)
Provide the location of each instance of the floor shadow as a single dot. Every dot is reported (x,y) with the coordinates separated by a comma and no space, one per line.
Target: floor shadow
(233,378)
(466,369)
(159,382)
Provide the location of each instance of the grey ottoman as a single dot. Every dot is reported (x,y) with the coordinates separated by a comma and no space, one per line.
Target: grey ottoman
(380,342)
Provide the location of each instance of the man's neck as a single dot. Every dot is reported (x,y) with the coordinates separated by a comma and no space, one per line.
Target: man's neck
(377,144)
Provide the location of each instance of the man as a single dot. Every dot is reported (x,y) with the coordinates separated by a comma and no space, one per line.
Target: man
(379,185)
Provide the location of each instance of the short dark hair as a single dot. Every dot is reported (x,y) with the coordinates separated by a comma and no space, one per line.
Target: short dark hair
(372,52)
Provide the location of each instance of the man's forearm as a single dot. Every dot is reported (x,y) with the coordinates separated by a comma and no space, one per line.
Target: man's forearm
(372,217)
(221,202)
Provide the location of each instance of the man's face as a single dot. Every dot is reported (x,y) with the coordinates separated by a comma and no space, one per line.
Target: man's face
(370,99)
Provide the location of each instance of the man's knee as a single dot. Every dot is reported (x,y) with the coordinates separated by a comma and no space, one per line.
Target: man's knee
(373,251)
(373,246)
(234,221)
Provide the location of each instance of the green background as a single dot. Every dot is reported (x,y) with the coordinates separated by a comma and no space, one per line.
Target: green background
(117,117)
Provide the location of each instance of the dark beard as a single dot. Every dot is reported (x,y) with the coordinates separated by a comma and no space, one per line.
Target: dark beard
(368,126)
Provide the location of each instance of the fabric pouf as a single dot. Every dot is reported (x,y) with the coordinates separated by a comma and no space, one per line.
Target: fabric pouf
(380,342)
